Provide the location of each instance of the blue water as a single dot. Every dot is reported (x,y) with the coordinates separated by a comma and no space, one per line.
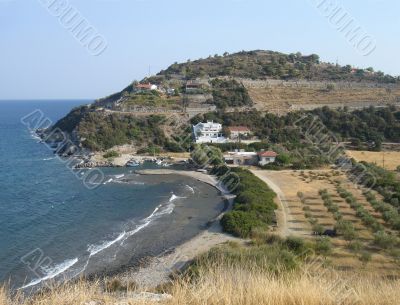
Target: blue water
(51,225)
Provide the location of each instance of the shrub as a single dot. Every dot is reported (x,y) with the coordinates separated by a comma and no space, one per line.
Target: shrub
(365,257)
(323,246)
(254,205)
(240,223)
(318,229)
(385,241)
(355,246)
(307,214)
(346,228)
(111,154)
(338,216)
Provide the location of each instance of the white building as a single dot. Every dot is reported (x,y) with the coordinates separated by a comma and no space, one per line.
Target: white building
(267,157)
(209,132)
(241,158)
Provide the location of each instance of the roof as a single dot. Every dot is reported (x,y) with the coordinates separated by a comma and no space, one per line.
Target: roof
(144,86)
(267,154)
(242,153)
(239,128)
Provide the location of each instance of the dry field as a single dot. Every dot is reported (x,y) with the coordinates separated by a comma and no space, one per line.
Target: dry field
(289,183)
(387,159)
(281,99)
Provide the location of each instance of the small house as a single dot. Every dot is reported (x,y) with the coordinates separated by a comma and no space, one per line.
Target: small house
(266,157)
(241,158)
(145,87)
(236,132)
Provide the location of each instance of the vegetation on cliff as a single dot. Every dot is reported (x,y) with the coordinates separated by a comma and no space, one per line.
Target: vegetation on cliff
(230,93)
(268,64)
(101,132)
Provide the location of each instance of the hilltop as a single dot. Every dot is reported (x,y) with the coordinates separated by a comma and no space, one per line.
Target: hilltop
(273,65)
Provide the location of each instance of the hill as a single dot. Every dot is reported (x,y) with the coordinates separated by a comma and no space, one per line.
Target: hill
(273,65)
(243,82)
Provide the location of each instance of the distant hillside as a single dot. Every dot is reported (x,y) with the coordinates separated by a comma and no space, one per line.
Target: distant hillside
(263,81)
(276,65)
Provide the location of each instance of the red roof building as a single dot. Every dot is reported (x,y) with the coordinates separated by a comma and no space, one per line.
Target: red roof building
(267,154)
(266,157)
(146,87)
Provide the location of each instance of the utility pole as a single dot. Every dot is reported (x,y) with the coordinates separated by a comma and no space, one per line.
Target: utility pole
(383,160)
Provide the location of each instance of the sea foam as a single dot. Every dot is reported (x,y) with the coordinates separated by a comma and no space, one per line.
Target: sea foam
(53,272)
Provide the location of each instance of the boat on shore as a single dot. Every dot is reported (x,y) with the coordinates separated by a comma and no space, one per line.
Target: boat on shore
(133,163)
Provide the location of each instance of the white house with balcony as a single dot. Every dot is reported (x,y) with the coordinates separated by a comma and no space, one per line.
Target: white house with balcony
(209,132)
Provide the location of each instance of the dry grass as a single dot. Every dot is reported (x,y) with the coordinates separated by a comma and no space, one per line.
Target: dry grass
(230,285)
(282,99)
(388,159)
(235,286)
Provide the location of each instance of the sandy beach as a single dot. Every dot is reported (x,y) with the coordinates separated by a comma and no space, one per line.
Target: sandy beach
(158,269)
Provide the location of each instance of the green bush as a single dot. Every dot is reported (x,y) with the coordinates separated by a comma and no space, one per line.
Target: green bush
(318,229)
(111,154)
(298,245)
(386,241)
(365,257)
(240,223)
(254,205)
(346,228)
(323,246)
(355,246)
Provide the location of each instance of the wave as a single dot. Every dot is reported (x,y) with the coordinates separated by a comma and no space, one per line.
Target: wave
(94,249)
(190,188)
(35,136)
(159,211)
(119,176)
(108,181)
(174,197)
(48,159)
(53,272)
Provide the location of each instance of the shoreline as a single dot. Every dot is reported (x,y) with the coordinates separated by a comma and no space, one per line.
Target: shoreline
(158,269)
(151,271)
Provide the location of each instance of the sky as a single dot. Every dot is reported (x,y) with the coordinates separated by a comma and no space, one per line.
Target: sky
(42,58)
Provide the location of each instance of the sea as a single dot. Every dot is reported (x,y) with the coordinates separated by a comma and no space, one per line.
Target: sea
(53,227)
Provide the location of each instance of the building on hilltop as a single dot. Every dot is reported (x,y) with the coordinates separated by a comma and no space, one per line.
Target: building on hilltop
(145,87)
(193,87)
(209,132)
